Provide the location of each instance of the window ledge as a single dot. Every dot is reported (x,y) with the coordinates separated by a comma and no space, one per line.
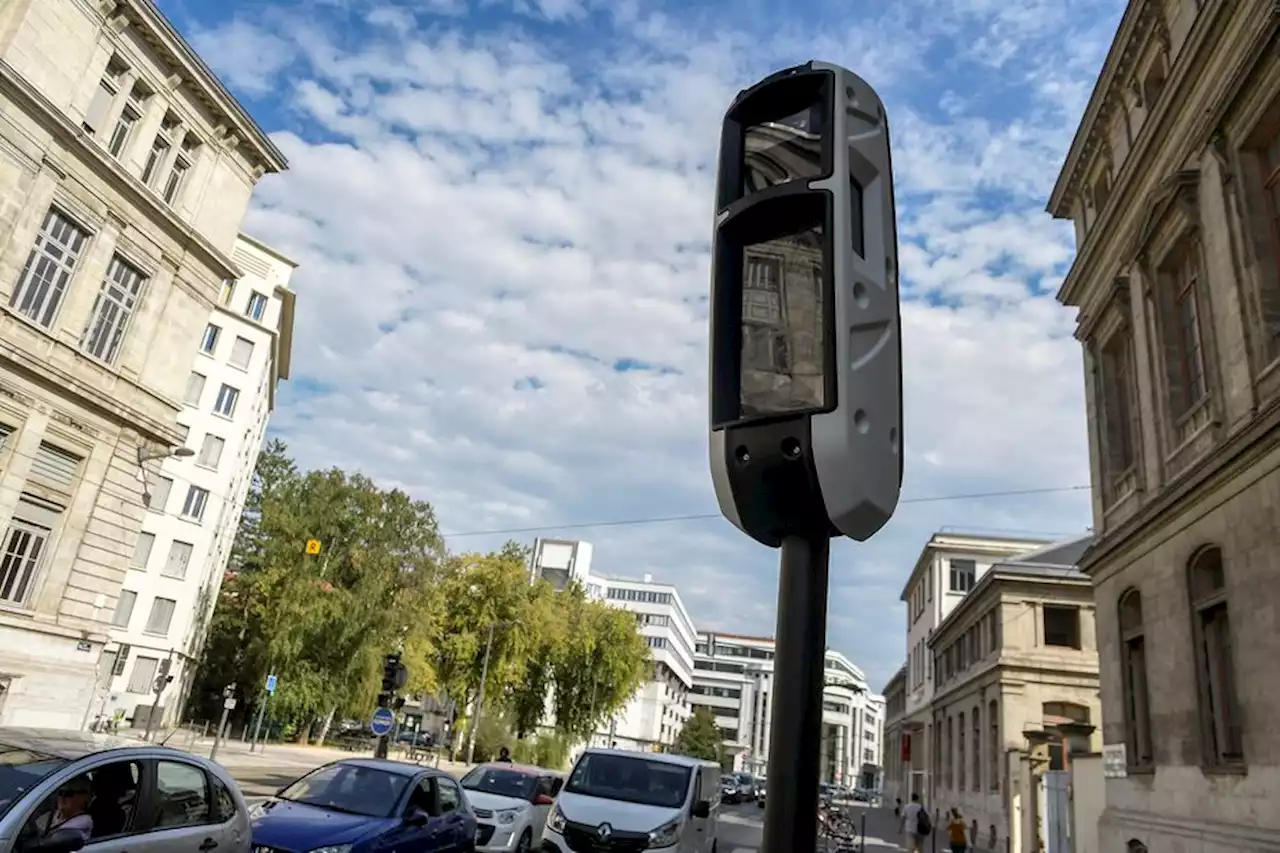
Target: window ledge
(1225,769)
(1194,409)
(191,519)
(162,635)
(213,468)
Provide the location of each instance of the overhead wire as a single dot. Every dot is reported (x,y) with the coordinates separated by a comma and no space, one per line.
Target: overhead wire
(704,516)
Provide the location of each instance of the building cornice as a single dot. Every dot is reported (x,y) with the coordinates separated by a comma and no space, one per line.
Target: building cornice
(105,167)
(1154,132)
(1119,62)
(189,67)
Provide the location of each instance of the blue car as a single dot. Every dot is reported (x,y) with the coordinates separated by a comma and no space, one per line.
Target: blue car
(365,805)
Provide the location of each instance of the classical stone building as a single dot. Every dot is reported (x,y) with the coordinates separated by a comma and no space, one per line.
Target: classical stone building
(1173,183)
(895,757)
(1015,663)
(125,171)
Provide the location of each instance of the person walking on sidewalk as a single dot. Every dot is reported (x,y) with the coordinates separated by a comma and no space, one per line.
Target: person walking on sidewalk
(916,826)
(957,833)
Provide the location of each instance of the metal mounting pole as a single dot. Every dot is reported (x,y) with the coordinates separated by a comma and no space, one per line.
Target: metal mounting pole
(791,804)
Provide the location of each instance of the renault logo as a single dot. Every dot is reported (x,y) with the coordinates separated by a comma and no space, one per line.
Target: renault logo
(603,831)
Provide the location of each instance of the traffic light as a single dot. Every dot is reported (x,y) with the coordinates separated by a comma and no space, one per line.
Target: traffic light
(394,674)
(806,376)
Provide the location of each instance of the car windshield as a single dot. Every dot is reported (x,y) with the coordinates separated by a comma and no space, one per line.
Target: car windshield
(630,780)
(350,788)
(20,771)
(726,780)
(501,781)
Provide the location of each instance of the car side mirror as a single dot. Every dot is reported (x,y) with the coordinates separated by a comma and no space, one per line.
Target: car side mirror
(543,800)
(418,817)
(702,808)
(60,841)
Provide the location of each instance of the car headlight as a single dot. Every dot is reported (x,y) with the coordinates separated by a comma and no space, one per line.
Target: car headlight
(555,820)
(333,848)
(505,816)
(665,836)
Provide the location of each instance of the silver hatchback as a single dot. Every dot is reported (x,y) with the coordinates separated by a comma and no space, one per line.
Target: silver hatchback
(62,791)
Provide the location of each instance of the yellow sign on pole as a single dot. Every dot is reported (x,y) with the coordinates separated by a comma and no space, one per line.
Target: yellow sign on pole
(313,547)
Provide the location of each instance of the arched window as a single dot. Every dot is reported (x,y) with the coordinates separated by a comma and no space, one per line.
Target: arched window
(977,751)
(960,765)
(993,747)
(948,755)
(1137,707)
(1220,717)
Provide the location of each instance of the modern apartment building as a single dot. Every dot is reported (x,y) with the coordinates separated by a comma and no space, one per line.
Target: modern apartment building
(949,566)
(733,675)
(1173,185)
(1015,667)
(659,710)
(125,171)
(195,502)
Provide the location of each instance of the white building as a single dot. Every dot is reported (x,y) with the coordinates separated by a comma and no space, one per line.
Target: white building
(125,171)
(733,675)
(660,708)
(195,502)
(949,566)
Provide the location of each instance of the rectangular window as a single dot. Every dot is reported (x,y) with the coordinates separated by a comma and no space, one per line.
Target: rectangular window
(1062,626)
(226,402)
(257,306)
(112,311)
(96,116)
(195,389)
(143,677)
(177,177)
(122,131)
(211,451)
(142,551)
(193,506)
(963,575)
(48,271)
(124,609)
(241,352)
(22,551)
(161,617)
(160,494)
(1226,732)
(1190,341)
(1118,393)
(209,343)
(55,467)
(1269,286)
(228,290)
(155,160)
(179,558)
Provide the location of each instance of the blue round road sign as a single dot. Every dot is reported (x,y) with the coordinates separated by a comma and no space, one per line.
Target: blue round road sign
(383,721)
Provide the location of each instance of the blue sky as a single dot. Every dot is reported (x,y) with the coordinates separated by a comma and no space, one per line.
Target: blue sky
(502,209)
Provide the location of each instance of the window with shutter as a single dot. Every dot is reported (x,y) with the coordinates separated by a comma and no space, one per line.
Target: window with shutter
(124,611)
(195,388)
(160,494)
(241,352)
(179,559)
(96,116)
(211,451)
(142,551)
(54,466)
(144,675)
(161,616)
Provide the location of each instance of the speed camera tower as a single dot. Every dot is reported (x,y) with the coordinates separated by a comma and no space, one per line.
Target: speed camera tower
(806,372)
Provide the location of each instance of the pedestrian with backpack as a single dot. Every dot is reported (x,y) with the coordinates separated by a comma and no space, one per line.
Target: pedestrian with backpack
(916,826)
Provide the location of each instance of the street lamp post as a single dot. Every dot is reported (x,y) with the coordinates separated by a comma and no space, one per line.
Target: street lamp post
(484,677)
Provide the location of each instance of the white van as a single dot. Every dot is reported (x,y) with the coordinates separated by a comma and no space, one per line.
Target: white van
(636,800)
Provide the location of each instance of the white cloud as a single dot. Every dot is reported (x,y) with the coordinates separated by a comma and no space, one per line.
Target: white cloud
(490,217)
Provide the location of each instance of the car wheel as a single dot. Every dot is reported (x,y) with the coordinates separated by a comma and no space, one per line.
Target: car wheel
(526,842)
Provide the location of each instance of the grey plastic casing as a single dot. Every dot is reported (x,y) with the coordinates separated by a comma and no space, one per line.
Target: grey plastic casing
(856,449)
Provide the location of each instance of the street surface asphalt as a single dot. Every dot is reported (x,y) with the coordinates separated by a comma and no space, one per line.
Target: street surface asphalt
(263,772)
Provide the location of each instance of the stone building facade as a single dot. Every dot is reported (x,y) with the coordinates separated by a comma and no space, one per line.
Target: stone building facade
(1173,184)
(125,171)
(1014,660)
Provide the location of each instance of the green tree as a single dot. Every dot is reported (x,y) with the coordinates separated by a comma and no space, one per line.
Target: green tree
(599,666)
(700,737)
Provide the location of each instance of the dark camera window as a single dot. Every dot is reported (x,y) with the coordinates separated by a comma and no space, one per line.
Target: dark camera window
(777,152)
(783,346)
